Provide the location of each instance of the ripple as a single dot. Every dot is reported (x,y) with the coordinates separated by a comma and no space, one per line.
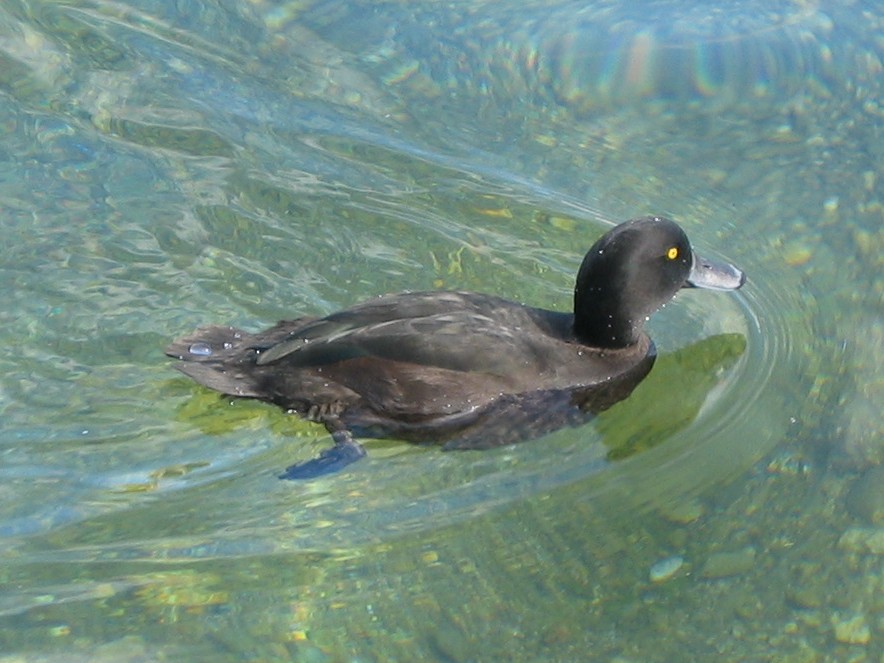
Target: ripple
(603,54)
(685,54)
(742,420)
(750,357)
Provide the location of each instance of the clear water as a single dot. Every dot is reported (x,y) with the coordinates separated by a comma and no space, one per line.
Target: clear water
(165,165)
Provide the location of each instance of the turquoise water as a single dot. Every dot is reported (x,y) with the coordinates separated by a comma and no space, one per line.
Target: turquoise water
(166,165)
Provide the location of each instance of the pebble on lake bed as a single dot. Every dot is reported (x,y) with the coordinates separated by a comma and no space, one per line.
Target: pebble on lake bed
(665,568)
(863,540)
(851,630)
(865,499)
(724,564)
(796,255)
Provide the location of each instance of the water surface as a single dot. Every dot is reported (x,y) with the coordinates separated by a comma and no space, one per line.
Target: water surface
(242,162)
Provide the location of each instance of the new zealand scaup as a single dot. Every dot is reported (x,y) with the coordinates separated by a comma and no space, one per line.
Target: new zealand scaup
(466,370)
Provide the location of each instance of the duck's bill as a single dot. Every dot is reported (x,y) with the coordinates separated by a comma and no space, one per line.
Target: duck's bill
(714,275)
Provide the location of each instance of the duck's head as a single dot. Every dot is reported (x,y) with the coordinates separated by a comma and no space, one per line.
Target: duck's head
(632,271)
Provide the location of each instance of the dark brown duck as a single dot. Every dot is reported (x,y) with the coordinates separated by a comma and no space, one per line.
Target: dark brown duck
(466,370)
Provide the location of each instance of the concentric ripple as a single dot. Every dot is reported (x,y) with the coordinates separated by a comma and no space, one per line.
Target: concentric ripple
(747,352)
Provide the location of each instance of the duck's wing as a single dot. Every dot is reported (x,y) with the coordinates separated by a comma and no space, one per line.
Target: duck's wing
(451,331)
(370,314)
(454,331)
(458,341)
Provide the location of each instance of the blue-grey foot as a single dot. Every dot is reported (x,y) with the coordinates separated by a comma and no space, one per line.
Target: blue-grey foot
(345,451)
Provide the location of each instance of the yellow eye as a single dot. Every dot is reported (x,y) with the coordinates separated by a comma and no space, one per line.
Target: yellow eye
(672,253)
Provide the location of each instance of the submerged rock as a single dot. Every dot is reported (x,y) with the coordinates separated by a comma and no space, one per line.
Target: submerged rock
(666,568)
(863,540)
(852,630)
(731,563)
(865,500)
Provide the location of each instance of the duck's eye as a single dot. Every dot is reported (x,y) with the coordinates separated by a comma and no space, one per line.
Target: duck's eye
(672,253)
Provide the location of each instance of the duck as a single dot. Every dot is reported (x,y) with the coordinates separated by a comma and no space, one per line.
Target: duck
(461,369)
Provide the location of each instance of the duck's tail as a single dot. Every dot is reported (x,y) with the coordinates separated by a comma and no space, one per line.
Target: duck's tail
(219,358)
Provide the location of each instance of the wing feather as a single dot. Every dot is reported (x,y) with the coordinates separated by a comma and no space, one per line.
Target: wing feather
(427,329)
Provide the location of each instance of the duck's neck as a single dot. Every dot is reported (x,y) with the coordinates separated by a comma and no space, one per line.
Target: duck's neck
(602,321)
(605,310)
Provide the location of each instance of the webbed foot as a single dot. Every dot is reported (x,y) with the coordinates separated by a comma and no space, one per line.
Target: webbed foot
(345,451)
